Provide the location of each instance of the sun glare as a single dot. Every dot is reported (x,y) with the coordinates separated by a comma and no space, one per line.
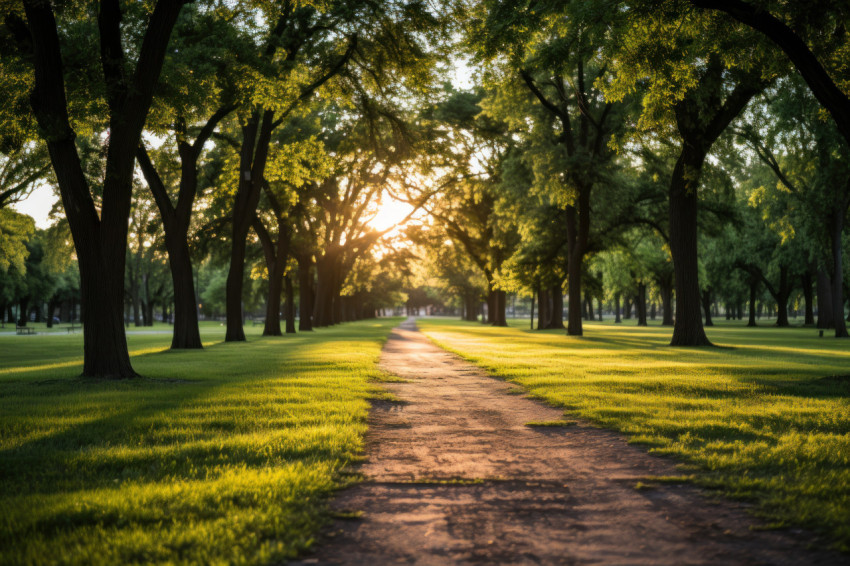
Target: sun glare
(390,213)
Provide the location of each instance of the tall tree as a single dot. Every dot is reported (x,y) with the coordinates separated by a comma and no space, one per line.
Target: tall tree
(127,87)
(699,73)
(549,55)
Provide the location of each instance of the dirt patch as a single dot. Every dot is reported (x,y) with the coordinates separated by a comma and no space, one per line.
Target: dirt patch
(455,475)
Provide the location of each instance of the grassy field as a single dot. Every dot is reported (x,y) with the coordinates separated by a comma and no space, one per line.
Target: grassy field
(225,455)
(764,417)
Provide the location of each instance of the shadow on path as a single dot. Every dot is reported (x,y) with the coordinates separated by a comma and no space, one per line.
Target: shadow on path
(455,476)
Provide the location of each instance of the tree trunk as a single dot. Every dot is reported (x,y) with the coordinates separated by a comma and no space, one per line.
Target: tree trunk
(23,311)
(543,308)
(706,307)
(135,293)
(838,274)
(324,312)
(147,305)
(471,302)
(687,327)
(492,304)
(627,308)
(825,310)
(105,353)
(641,304)
(500,300)
(272,323)
(186,335)
(305,293)
(754,283)
(290,305)
(252,165)
(808,296)
(667,304)
(531,323)
(556,319)
(576,245)
(617,308)
(782,298)
(51,308)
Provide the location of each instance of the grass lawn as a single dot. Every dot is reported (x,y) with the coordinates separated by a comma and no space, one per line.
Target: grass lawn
(764,417)
(225,455)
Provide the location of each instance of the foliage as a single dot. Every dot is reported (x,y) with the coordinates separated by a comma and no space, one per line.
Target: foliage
(15,231)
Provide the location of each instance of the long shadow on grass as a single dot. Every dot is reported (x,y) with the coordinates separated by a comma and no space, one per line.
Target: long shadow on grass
(150,431)
(62,460)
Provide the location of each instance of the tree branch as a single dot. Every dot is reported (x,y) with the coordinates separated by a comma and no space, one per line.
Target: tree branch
(821,84)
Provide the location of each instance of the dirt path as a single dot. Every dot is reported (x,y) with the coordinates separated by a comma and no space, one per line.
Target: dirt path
(531,495)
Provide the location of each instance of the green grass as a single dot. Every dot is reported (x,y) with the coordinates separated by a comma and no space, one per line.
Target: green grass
(225,455)
(765,417)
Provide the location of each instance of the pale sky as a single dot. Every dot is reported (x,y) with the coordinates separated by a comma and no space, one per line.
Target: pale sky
(38,205)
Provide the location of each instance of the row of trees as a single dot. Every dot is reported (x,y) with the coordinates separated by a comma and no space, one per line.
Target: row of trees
(263,135)
(606,127)
(286,117)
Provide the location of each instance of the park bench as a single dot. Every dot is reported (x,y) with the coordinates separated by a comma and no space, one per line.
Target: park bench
(258,322)
(72,329)
(24,330)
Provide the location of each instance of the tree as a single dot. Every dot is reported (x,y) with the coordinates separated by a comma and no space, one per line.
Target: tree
(547,68)
(810,198)
(195,94)
(127,88)
(699,75)
(472,148)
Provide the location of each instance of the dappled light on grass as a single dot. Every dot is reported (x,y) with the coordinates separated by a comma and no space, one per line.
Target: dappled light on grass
(225,455)
(761,417)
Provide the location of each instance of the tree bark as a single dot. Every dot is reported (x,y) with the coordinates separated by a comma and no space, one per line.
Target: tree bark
(617,308)
(825,310)
(753,284)
(491,304)
(667,303)
(556,319)
(687,327)
(499,304)
(305,292)
(808,296)
(706,307)
(23,311)
(578,230)
(543,308)
(256,136)
(641,304)
(186,334)
(290,304)
(781,296)
(837,230)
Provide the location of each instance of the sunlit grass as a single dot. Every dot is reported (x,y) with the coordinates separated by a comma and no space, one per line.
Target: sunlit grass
(765,417)
(225,455)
